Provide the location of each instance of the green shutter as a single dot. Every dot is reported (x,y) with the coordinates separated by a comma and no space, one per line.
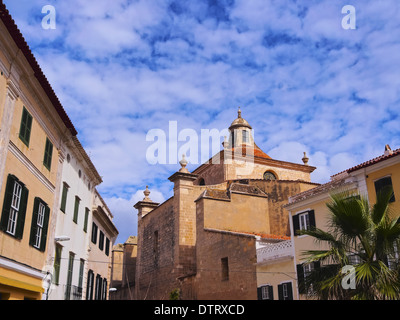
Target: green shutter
(57,264)
(271,292)
(311,217)
(48,153)
(107,247)
(300,278)
(32,237)
(85,225)
(25,127)
(64,198)
(280,292)
(7,202)
(45,228)
(296,224)
(289,290)
(76,209)
(21,213)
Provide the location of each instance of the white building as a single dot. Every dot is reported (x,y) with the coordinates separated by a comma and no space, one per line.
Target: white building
(68,259)
(102,237)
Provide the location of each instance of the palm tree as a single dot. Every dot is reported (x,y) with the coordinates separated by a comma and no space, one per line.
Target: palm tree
(370,234)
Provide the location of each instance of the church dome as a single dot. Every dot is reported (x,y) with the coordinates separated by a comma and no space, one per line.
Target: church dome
(239,122)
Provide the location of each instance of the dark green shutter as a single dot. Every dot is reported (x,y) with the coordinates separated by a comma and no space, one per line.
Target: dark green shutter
(25,127)
(45,228)
(300,278)
(48,153)
(271,292)
(259,293)
(21,213)
(7,202)
(289,290)
(85,224)
(76,209)
(32,237)
(311,217)
(296,224)
(64,198)
(384,184)
(280,292)
(107,247)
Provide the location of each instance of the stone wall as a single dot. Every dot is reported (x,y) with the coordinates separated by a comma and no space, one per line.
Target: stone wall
(213,281)
(155,263)
(278,193)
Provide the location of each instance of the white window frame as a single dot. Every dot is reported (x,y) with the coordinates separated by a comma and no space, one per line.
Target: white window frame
(39,224)
(14,210)
(304,221)
(285,291)
(265,292)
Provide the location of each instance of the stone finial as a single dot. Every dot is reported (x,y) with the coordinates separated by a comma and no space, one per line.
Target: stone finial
(305,159)
(146,194)
(183,164)
(239,113)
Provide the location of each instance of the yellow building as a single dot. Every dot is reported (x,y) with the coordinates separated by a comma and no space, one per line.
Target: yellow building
(309,208)
(33,126)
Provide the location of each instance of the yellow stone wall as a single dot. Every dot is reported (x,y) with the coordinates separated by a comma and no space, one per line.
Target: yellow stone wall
(394,172)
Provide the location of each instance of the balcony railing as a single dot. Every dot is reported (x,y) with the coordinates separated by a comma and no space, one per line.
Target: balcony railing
(273,252)
(73,292)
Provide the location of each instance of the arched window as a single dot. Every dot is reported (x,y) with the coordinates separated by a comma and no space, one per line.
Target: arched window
(202,182)
(268,175)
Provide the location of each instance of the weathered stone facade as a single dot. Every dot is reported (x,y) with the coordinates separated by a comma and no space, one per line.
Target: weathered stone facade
(202,241)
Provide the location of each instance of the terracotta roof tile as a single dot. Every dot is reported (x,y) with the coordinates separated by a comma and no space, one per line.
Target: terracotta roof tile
(19,40)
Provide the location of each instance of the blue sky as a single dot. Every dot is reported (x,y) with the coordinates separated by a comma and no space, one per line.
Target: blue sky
(124,67)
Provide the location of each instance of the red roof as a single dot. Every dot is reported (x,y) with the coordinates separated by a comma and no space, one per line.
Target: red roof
(250,151)
(19,40)
(371,162)
(374,160)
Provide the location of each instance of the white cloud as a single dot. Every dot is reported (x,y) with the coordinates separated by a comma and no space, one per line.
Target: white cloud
(124,67)
(126,217)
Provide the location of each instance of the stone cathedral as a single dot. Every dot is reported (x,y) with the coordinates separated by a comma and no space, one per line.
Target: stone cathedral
(201,242)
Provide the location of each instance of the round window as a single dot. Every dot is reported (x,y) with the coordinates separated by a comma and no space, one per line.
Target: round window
(268,175)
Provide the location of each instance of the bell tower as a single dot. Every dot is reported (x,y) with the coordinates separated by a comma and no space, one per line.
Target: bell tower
(240,132)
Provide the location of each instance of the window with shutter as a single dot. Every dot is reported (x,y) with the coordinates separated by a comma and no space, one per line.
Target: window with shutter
(266,293)
(94,233)
(57,264)
(69,275)
(81,271)
(107,251)
(383,184)
(285,291)
(76,209)
(104,290)
(89,288)
(14,207)
(101,240)
(303,221)
(25,127)
(85,224)
(48,154)
(296,224)
(98,287)
(64,197)
(40,221)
